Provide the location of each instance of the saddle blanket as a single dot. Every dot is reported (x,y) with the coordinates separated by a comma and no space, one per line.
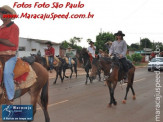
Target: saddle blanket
(24,75)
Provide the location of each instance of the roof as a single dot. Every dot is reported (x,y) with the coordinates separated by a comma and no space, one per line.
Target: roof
(41,41)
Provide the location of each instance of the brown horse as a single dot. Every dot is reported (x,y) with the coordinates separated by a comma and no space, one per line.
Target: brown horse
(41,85)
(113,72)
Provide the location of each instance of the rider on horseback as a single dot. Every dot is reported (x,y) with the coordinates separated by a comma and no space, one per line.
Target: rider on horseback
(119,47)
(50,52)
(9,39)
(70,55)
(91,50)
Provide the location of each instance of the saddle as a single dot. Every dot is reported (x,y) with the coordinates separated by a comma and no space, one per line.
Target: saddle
(24,76)
(56,61)
(67,61)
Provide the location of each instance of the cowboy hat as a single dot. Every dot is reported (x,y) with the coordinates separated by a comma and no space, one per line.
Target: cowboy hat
(91,42)
(49,43)
(119,33)
(8,8)
(109,42)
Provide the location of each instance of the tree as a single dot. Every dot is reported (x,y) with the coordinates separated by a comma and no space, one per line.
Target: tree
(136,57)
(64,44)
(74,40)
(101,39)
(145,43)
(89,40)
(134,46)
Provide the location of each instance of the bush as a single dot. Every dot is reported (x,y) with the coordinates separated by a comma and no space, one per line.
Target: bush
(136,57)
(129,57)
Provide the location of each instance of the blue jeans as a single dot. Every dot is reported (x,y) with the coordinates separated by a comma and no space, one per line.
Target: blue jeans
(9,77)
(51,60)
(69,59)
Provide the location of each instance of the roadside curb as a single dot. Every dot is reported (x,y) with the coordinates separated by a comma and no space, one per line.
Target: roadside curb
(138,67)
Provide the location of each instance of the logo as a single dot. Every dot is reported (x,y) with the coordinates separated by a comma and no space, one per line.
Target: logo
(17,112)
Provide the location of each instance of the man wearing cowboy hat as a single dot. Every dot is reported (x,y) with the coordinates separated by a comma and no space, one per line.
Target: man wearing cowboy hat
(50,52)
(9,41)
(91,49)
(119,48)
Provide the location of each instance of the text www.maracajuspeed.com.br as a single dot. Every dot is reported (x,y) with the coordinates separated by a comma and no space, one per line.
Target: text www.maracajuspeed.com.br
(52,16)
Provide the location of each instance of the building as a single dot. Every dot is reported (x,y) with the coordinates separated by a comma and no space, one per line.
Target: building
(29,46)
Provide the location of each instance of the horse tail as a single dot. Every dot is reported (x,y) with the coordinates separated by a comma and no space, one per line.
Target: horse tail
(44,95)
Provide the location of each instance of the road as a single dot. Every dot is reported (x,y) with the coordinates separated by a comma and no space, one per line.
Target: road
(73,101)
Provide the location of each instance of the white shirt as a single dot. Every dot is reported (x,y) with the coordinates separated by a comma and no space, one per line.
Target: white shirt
(92,51)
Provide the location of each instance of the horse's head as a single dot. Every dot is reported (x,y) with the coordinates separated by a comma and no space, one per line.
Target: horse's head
(83,56)
(96,68)
(103,63)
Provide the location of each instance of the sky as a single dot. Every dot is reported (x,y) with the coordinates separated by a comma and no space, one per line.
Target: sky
(135,18)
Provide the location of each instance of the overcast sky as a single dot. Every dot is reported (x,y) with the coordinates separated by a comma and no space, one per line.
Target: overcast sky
(136,18)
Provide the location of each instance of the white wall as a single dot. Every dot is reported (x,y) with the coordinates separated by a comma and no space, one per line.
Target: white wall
(31,44)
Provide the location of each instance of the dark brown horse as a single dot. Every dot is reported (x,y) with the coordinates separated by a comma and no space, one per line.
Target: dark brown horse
(113,72)
(84,58)
(57,68)
(41,85)
(60,68)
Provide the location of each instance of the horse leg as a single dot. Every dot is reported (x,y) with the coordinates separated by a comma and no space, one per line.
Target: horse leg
(114,86)
(110,92)
(99,74)
(75,69)
(60,74)
(127,90)
(71,72)
(132,89)
(87,75)
(90,77)
(33,102)
(64,73)
(134,97)
(56,77)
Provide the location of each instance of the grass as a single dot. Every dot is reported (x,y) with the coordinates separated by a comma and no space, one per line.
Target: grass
(140,64)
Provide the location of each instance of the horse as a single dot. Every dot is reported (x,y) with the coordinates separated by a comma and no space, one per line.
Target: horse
(58,68)
(66,66)
(113,71)
(84,58)
(41,85)
(61,67)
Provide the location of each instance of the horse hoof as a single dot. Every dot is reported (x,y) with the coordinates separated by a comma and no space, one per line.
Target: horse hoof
(115,103)
(134,97)
(109,105)
(54,83)
(124,101)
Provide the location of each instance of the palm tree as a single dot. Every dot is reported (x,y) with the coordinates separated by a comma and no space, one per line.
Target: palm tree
(75,40)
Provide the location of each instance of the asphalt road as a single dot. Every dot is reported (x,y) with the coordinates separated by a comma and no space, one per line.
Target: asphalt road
(73,101)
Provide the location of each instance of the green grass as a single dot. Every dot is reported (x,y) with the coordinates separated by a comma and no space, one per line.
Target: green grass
(141,64)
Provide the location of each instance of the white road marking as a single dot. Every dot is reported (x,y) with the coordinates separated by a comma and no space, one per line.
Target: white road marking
(136,81)
(50,105)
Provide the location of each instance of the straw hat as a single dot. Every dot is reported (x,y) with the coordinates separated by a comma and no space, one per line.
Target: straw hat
(8,8)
